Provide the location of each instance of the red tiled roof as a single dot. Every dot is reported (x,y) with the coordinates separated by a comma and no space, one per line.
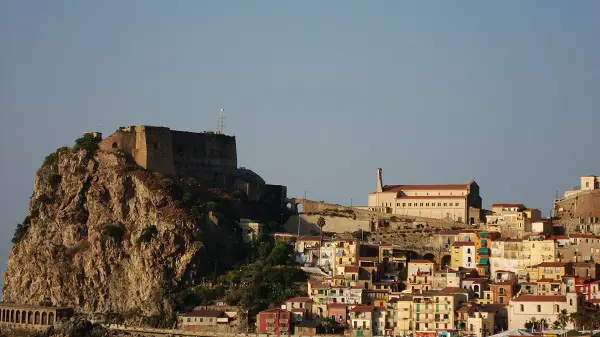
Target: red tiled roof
(583,236)
(508,205)
(548,280)
(432,197)
(320,285)
(380,309)
(398,188)
(553,264)
(463,243)
(539,298)
(336,305)
(299,299)
(351,269)
(274,310)
(362,308)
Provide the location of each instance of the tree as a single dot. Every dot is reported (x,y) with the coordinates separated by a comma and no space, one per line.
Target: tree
(563,319)
(543,324)
(321,223)
(556,325)
(327,324)
(577,318)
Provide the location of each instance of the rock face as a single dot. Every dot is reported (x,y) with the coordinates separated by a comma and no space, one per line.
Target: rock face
(82,247)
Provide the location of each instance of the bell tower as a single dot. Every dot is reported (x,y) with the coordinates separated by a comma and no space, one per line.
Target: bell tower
(379,181)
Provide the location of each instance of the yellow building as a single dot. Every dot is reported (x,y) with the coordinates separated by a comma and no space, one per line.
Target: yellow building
(538,249)
(346,254)
(462,255)
(402,308)
(513,220)
(483,242)
(420,275)
(459,202)
(434,311)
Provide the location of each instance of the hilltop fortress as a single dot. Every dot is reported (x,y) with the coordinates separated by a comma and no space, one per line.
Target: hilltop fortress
(211,157)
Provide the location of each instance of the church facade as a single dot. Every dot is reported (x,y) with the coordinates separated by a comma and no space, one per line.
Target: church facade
(456,202)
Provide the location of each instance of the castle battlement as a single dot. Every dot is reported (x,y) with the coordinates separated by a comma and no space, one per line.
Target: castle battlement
(167,151)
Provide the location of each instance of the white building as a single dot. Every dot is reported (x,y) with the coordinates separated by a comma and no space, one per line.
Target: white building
(522,308)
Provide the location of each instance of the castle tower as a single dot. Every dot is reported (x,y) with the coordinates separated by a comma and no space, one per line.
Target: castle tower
(379,181)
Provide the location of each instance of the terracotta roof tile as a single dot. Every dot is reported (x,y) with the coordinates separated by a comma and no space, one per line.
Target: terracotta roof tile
(509,205)
(351,269)
(299,299)
(398,188)
(539,298)
(362,308)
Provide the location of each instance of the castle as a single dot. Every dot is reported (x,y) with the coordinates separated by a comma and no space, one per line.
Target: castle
(210,157)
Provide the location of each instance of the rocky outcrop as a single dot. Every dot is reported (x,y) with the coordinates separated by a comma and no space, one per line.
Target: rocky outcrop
(106,236)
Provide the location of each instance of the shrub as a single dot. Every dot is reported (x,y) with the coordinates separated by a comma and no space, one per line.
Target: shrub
(51,158)
(147,234)
(20,232)
(88,142)
(115,231)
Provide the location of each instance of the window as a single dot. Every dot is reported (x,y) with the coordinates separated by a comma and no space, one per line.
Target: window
(539,308)
(439,204)
(501,290)
(409,204)
(456,204)
(445,204)
(201,319)
(501,299)
(403,204)
(587,184)
(421,204)
(189,320)
(557,308)
(522,308)
(427,204)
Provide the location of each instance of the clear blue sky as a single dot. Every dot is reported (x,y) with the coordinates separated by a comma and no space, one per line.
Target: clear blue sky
(318,93)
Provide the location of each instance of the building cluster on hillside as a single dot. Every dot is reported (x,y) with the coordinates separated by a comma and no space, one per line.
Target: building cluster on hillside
(508,273)
(485,284)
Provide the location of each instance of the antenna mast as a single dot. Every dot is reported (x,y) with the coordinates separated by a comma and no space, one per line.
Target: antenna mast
(221,122)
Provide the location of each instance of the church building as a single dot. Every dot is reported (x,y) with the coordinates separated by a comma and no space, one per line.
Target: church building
(457,202)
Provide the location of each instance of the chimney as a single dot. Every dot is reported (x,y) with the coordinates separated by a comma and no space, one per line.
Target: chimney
(379,181)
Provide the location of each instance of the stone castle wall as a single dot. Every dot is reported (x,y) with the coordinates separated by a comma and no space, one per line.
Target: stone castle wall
(163,150)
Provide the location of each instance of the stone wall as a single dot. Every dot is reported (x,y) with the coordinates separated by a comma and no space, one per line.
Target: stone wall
(203,150)
(581,208)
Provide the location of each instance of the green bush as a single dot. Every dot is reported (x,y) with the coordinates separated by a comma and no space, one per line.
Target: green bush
(115,231)
(88,142)
(51,158)
(147,234)
(20,232)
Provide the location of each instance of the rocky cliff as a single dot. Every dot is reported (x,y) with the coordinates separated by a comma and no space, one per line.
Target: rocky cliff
(105,236)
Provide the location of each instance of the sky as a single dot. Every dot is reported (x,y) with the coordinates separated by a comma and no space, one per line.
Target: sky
(319,94)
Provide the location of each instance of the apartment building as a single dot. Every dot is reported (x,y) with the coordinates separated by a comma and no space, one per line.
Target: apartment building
(346,253)
(514,220)
(462,255)
(299,307)
(508,255)
(538,249)
(274,322)
(483,242)
(435,310)
(420,275)
(361,320)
